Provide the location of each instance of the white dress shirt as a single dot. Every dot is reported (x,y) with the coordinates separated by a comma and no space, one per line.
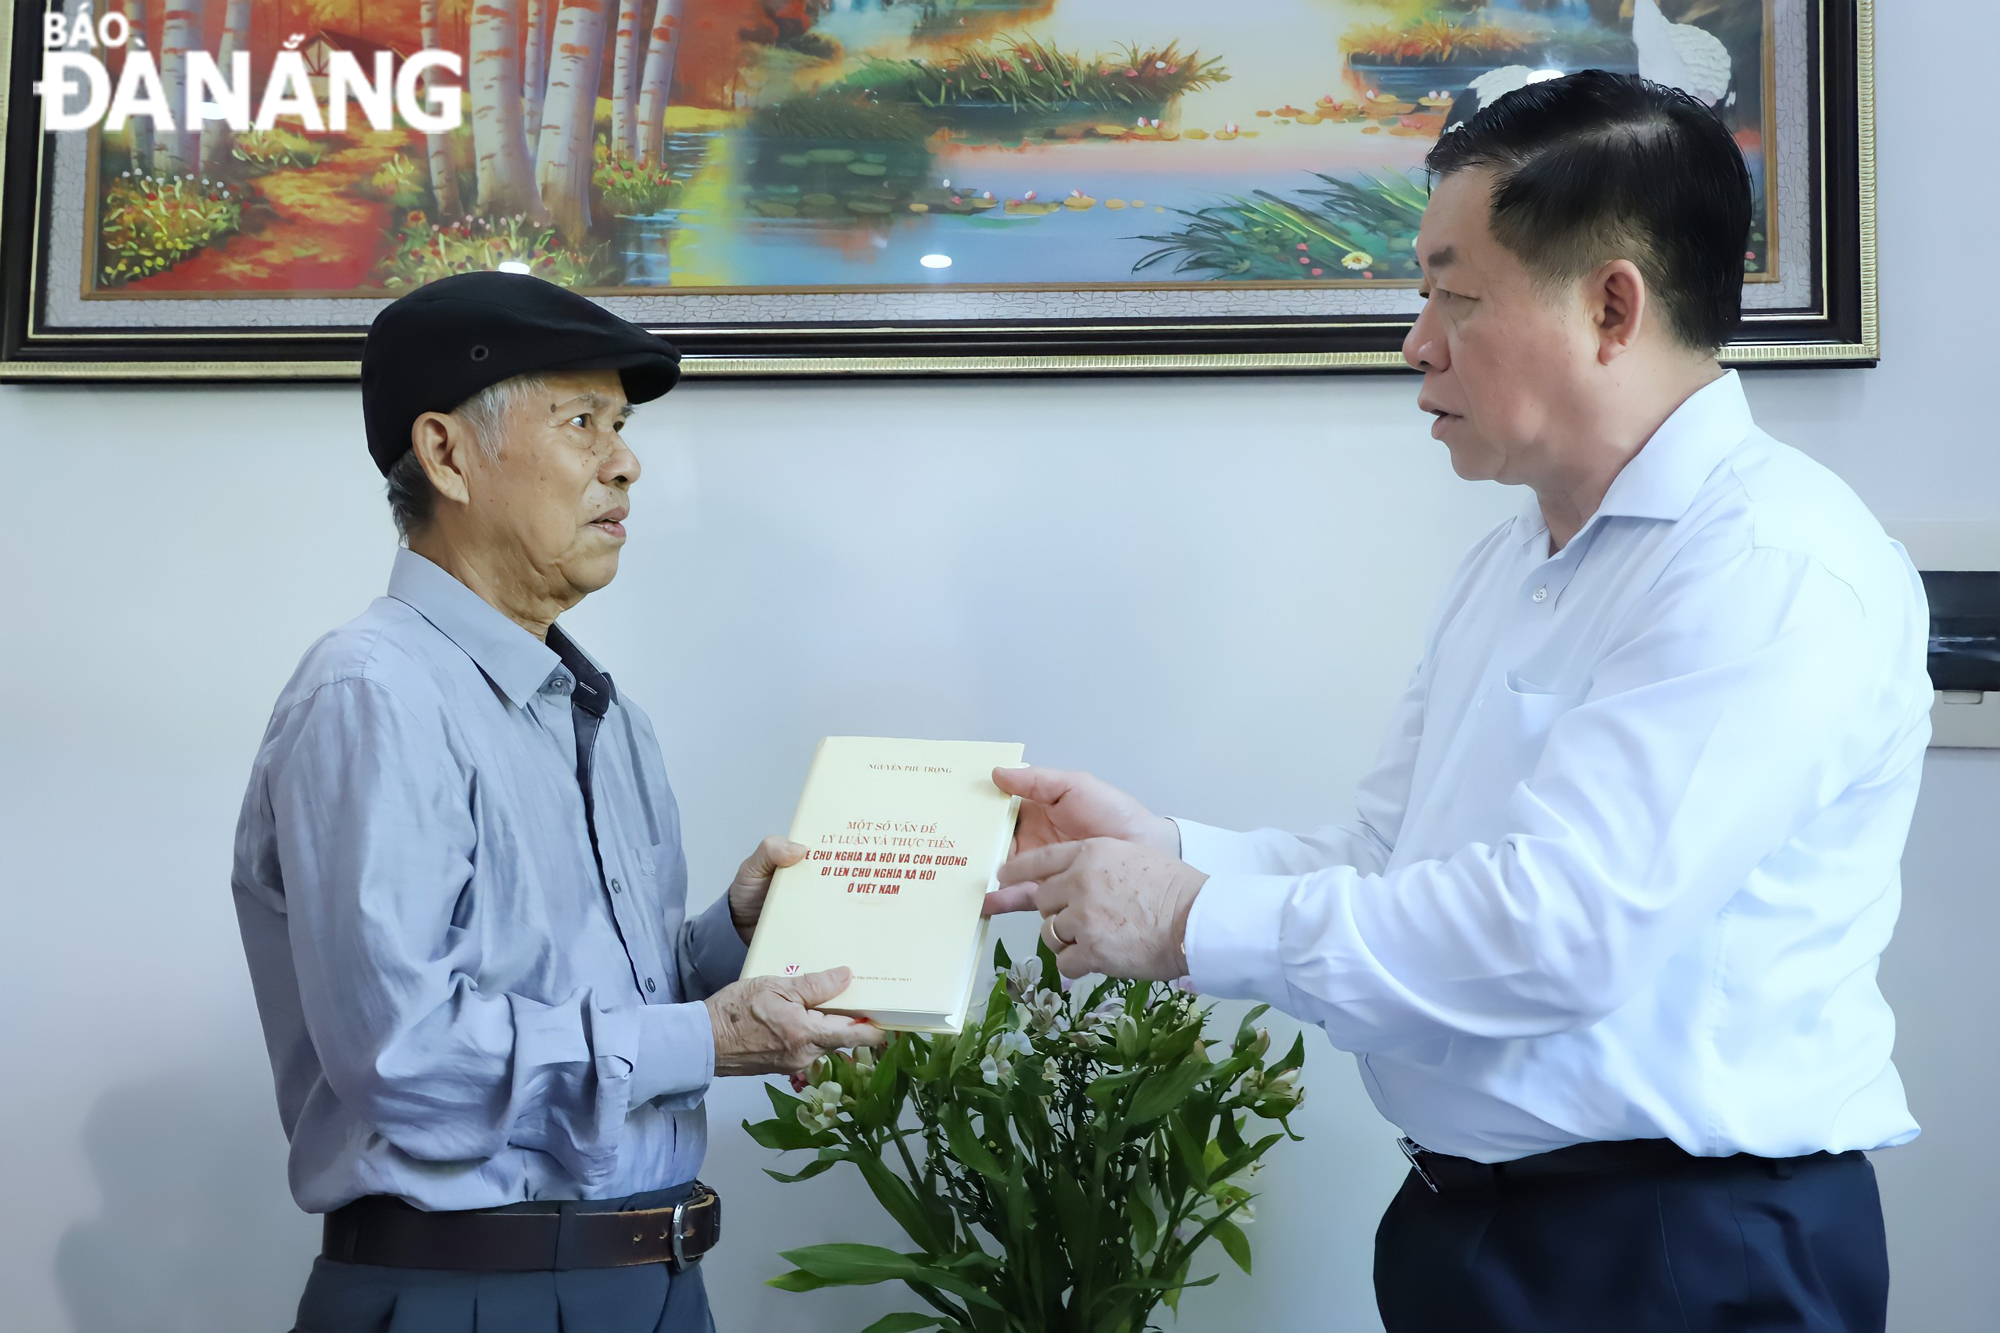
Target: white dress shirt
(1629,857)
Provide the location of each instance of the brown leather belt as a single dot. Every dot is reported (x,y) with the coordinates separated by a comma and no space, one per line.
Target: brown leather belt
(388,1232)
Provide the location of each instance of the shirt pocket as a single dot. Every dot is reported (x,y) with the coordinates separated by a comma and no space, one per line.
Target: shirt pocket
(661,866)
(1500,743)
(1520,714)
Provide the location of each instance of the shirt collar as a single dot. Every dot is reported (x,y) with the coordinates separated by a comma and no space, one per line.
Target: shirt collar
(514,660)
(594,691)
(1663,479)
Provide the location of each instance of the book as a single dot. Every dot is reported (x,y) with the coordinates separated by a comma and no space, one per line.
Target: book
(905,840)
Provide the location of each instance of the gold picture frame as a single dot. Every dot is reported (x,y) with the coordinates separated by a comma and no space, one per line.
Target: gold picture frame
(1835,325)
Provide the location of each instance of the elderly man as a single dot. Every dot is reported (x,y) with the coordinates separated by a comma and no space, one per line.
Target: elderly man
(459,872)
(1604,934)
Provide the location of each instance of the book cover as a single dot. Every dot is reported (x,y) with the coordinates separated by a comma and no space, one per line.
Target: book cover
(906,837)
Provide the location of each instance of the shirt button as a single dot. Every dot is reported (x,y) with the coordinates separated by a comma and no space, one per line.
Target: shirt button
(616,887)
(1542,594)
(649,985)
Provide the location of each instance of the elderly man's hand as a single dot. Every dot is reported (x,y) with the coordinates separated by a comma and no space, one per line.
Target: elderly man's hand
(1109,906)
(753,881)
(1059,807)
(768,1025)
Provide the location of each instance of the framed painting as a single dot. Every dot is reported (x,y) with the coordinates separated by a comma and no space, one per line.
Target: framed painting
(233,188)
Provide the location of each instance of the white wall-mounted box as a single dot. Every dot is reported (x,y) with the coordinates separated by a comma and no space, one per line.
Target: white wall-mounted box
(1966,719)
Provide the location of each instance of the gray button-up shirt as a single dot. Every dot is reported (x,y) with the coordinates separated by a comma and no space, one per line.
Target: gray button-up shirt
(461,1007)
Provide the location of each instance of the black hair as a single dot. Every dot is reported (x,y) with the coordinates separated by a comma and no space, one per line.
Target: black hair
(1595,166)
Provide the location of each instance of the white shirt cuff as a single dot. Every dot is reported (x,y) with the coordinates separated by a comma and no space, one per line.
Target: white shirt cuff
(675,1061)
(1234,949)
(1217,851)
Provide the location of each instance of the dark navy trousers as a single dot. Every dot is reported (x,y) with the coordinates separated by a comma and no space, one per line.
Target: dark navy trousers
(1731,1245)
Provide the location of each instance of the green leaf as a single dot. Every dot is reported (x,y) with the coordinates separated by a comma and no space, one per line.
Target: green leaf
(797,1280)
(1098,992)
(1175,1045)
(1188,1151)
(999,1010)
(1000,958)
(937,1062)
(812,1170)
(850,1265)
(1173,1296)
(1247,1029)
(1211,1158)
(1234,1242)
(1161,1283)
(1238,1160)
(899,1201)
(1293,1058)
(1212,1227)
(979,1260)
(967,1146)
(1078,1220)
(783,1104)
(883,1083)
(1021,1222)
(962,1047)
(1104,1086)
(1145,1226)
(784,1133)
(1163,1092)
(906,1323)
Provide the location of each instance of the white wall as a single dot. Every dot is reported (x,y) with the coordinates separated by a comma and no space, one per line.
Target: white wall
(1209,591)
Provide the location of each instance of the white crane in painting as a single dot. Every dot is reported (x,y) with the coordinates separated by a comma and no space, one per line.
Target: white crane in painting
(1678,55)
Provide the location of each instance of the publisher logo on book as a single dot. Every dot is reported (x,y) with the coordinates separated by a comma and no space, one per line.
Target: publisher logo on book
(791,969)
(188,87)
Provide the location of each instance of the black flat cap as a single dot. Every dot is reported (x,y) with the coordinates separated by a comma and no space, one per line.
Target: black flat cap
(444,342)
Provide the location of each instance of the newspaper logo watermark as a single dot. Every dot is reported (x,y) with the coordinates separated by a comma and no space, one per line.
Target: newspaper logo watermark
(78,91)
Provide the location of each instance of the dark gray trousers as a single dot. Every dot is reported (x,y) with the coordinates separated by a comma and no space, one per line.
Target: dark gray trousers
(365,1298)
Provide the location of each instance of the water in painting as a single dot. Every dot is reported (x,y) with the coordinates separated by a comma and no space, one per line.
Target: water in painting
(788,145)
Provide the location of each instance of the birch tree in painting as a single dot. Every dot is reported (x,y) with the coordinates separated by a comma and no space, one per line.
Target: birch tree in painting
(563,155)
(215,135)
(139,128)
(506,177)
(444,177)
(535,67)
(657,82)
(623,77)
(179,150)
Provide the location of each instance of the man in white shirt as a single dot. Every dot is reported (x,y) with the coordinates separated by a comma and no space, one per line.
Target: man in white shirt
(1604,935)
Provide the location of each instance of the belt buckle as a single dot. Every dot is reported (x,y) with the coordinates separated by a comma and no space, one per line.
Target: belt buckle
(1410,1149)
(701,1197)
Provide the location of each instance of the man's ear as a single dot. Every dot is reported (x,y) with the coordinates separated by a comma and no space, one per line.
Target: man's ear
(443,445)
(1619,307)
